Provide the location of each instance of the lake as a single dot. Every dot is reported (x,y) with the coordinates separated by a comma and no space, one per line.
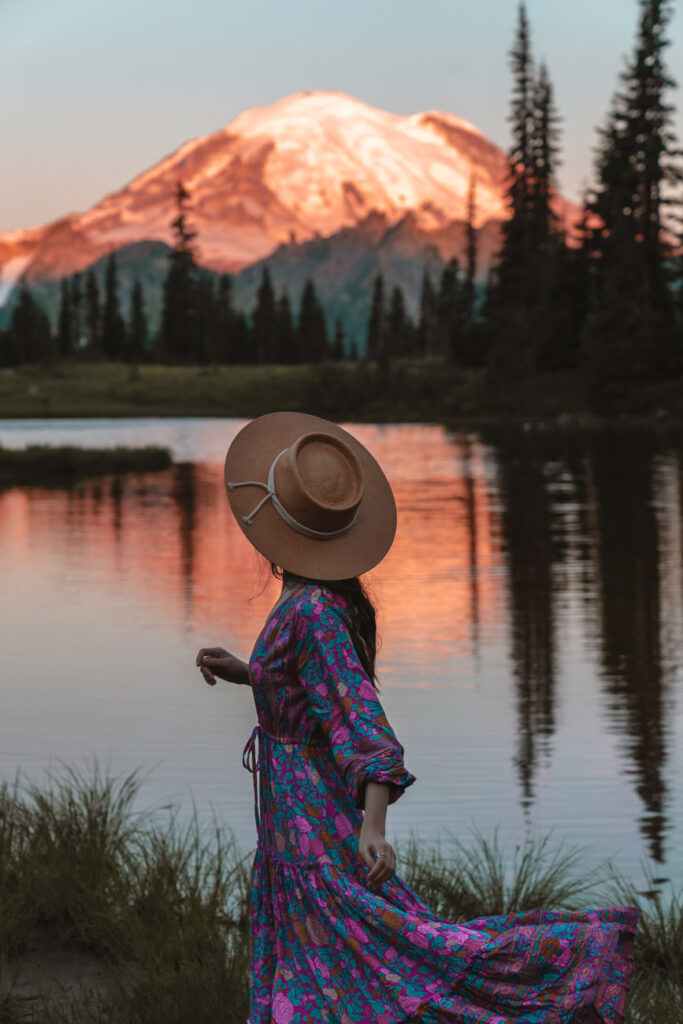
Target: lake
(530,614)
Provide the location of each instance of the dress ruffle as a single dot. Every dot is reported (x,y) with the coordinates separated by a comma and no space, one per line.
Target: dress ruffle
(362,957)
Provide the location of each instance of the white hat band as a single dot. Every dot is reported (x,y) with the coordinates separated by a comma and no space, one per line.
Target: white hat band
(271,495)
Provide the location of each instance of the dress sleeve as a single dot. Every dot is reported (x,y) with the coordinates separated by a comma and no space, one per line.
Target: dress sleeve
(343,700)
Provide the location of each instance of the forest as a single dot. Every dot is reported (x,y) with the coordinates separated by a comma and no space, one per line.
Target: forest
(603,297)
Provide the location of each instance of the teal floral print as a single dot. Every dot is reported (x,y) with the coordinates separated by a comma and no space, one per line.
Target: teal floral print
(327,948)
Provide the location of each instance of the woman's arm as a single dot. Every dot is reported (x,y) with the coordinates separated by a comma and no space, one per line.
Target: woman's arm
(371,840)
(340,695)
(376,803)
(216,661)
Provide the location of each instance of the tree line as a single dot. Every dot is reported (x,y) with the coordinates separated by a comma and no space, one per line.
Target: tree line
(199,321)
(605,296)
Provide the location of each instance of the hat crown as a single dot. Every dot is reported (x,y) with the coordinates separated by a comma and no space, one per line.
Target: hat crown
(319,481)
(309,496)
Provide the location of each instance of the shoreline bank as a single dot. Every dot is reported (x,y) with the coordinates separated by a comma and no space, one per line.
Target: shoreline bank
(426,391)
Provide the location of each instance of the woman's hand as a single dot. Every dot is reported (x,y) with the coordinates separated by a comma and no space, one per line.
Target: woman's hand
(371,841)
(216,661)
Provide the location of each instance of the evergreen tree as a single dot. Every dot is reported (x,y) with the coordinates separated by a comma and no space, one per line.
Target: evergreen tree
(449,308)
(265,322)
(337,346)
(93,317)
(375,345)
(553,342)
(78,315)
(521,114)
(65,327)
(521,120)
(284,326)
(226,324)
(180,335)
(559,316)
(113,327)
(471,259)
(470,349)
(488,314)
(241,341)
(515,285)
(137,326)
(623,335)
(208,344)
(531,235)
(311,328)
(570,304)
(30,337)
(427,326)
(400,327)
(638,162)
(8,354)
(545,159)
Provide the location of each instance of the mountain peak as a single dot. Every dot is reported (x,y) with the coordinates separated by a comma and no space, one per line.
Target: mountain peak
(311,163)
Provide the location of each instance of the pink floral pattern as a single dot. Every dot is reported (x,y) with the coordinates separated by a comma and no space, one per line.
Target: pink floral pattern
(324,946)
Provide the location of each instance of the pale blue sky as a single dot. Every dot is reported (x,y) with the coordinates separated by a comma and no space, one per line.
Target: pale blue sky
(95,91)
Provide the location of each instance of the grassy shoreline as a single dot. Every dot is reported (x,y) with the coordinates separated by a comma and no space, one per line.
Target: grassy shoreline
(131,917)
(63,464)
(411,391)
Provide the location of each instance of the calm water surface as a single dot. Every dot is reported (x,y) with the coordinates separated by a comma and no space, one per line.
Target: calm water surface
(530,611)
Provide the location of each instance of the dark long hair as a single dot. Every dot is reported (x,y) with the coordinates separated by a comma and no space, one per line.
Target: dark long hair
(359,613)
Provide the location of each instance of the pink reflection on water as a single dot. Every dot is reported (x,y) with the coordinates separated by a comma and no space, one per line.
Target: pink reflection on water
(173,535)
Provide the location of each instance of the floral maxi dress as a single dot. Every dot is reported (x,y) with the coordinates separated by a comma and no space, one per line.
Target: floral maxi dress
(325,946)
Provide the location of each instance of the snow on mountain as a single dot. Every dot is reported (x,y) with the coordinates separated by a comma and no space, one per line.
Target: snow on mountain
(311,164)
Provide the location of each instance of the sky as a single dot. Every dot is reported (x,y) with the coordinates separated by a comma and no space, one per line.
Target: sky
(95,91)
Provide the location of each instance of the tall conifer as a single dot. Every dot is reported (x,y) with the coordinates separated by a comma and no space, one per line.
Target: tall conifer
(427,325)
(265,322)
(374,344)
(30,337)
(284,325)
(93,317)
(531,235)
(471,259)
(113,327)
(228,332)
(450,312)
(337,346)
(400,327)
(137,326)
(545,158)
(311,326)
(630,336)
(80,337)
(65,330)
(180,334)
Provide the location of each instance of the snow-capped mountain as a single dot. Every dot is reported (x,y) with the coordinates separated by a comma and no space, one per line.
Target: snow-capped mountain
(311,164)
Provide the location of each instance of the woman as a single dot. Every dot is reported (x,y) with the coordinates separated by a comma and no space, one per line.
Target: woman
(336,935)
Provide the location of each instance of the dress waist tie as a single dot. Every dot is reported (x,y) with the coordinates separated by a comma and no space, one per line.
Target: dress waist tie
(253,762)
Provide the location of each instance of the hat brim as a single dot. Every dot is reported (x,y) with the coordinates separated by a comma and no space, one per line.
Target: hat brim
(249,457)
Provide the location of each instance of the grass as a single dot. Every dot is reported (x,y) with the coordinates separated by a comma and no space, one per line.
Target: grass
(148,916)
(163,906)
(410,391)
(59,464)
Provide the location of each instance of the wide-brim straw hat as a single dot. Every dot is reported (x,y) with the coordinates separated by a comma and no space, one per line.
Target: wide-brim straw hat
(309,496)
